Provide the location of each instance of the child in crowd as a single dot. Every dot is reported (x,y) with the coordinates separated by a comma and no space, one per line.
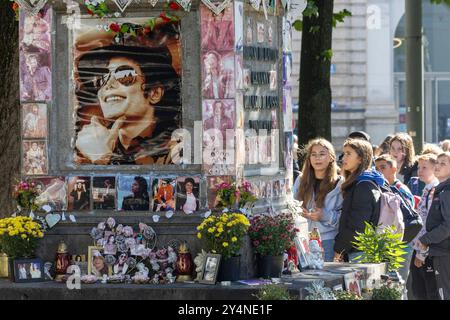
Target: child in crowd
(437,236)
(423,279)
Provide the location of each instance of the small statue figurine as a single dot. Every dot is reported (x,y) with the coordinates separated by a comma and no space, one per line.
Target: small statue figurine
(199,262)
(315,256)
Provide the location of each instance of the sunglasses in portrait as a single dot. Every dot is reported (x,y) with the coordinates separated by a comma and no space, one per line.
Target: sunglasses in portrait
(125,75)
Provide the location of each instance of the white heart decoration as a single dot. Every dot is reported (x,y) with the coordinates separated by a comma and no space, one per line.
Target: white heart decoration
(225,210)
(186,4)
(169,214)
(256,4)
(31,6)
(207,214)
(122,4)
(218,6)
(153,2)
(52,219)
(155,218)
(47,208)
(72,218)
(63,217)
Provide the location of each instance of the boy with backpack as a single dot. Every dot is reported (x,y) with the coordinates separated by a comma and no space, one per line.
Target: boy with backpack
(387,166)
(423,279)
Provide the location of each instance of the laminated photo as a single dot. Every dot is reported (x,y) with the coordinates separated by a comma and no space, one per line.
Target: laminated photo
(188,194)
(134,193)
(164,194)
(218,75)
(104,193)
(217,30)
(127,94)
(79,191)
(52,191)
(35,158)
(34,120)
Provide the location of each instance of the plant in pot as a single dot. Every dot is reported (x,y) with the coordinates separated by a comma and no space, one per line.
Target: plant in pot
(270,237)
(19,238)
(223,234)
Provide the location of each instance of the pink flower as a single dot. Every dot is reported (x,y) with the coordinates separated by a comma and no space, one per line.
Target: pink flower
(256,243)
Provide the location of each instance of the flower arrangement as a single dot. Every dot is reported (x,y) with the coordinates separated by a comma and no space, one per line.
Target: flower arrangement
(19,236)
(25,194)
(272,235)
(224,233)
(97,8)
(228,194)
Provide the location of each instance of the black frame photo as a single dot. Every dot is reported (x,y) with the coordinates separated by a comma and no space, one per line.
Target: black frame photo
(210,268)
(23,271)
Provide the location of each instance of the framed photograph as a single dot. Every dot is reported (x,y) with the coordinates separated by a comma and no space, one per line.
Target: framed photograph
(51,191)
(218,75)
(164,194)
(79,188)
(210,268)
(35,158)
(104,193)
(97,61)
(28,270)
(188,194)
(134,193)
(96,262)
(301,243)
(352,283)
(79,258)
(34,120)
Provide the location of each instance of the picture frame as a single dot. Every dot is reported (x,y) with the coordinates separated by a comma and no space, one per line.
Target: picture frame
(211,266)
(353,283)
(28,270)
(302,251)
(100,268)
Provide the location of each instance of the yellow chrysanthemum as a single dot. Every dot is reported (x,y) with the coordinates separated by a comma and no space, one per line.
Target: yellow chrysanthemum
(225,244)
(199,235)
(234,239)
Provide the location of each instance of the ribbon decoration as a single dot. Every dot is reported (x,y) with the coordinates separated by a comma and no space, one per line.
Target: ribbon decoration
(122,4)
(31,6)
(217,6)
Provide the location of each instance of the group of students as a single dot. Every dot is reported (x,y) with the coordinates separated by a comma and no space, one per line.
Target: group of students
(340,195)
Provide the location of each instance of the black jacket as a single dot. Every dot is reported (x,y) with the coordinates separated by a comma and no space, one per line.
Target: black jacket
(409,172)
(361,203)
(438,222)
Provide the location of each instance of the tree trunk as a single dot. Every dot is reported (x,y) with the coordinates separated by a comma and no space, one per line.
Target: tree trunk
(315,92)
(9,106)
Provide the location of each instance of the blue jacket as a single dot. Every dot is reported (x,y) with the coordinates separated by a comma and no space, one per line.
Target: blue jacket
(329,224)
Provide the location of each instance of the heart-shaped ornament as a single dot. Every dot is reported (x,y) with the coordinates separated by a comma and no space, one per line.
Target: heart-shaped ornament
(52,219)
(47,208)
(155,218)
(169,214)
(217,6)
(72,218)
(31,6)
(122,4)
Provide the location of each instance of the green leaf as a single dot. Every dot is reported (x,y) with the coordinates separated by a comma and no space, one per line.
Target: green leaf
(124,28)
(298,25)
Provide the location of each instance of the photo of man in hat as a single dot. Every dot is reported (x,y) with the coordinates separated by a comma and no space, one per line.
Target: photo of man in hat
(129,96)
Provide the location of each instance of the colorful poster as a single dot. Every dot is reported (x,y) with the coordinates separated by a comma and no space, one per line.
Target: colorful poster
(217,30)
(35,158)
(35,56)
(104,193)
(34,120)
(164,194)
(213,182)
(127,94)
(133,193)
(218,75)
(52,191)
(188,194)
(79,190)
(287,109)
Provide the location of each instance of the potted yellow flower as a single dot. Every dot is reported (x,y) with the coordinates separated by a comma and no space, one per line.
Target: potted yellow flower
(19,238)
(223,234)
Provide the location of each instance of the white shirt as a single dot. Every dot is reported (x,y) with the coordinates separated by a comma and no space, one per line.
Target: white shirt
(190,204)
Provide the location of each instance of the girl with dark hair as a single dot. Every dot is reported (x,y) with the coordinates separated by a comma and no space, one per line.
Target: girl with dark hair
(361,194)
(140,200)
(320,190)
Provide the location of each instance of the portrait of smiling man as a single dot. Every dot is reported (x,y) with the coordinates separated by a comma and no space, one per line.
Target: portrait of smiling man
(129,102)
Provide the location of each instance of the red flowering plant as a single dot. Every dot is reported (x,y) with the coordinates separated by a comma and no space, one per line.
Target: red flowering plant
(226,195)
(25,194)
(272,235)
(245,196)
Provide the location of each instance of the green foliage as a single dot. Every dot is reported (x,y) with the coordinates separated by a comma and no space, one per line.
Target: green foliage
(311,9)
(378,247)
(340,16)
(273,292)
(318,291)
(298,25)
(327,55)
(387,291)
(446,2)
(346,295)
